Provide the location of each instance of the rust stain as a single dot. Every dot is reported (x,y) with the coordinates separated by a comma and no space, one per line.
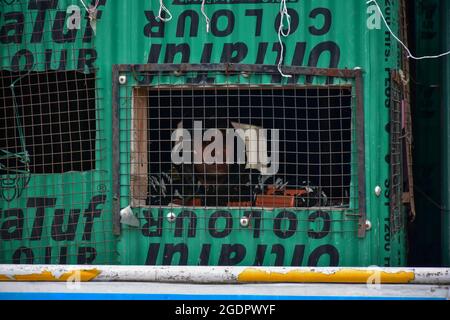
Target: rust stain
(76,275)
(341,276)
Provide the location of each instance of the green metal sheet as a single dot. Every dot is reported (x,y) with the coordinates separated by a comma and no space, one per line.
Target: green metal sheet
(324,33)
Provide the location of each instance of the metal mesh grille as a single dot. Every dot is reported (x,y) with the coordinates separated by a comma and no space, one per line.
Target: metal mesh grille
(54,181)
(397,217)
(312,128)
(314,146)
(50,115)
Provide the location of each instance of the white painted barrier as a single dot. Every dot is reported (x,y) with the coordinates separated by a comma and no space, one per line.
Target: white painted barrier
(230,275)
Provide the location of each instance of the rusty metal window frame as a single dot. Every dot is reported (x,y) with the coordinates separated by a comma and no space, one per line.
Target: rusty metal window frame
(150,70)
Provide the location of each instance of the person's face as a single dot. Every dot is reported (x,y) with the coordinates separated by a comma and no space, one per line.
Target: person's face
(215,169)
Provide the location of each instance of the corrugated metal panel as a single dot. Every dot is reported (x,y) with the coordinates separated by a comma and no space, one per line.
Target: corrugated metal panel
(127,33)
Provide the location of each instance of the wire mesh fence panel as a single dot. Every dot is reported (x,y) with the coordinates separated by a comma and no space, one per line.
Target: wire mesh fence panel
(209,154)
(54,182)
(397,129)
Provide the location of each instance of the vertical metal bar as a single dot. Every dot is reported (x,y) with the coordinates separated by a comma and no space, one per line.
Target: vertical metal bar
(116,150)
(446,137)
(361,154)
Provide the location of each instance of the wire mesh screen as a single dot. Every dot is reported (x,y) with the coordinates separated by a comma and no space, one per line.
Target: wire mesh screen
(310,129)
(48,121)
(397,216)
(54,181)
(232,143)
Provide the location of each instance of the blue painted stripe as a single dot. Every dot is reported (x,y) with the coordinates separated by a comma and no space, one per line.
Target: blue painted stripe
(145,296)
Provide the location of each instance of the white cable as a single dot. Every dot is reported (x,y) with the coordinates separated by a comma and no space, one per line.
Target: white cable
(409,54)
(162,8)
(205,15)
(84,5)
(91,10)
(283,13)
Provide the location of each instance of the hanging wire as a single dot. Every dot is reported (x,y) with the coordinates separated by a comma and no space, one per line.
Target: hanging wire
(409,54)
(162,8)
(91,10)
(23,156)
(283,14)
(205,15)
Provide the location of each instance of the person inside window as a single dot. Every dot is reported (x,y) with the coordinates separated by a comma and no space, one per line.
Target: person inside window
(221,184)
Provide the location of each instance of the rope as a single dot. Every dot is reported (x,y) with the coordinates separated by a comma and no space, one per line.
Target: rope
(283,14)
(162,8)
(409,54)
(91,10)
(205,15)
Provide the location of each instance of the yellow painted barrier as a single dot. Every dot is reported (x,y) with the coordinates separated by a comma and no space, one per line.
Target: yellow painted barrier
(340,276)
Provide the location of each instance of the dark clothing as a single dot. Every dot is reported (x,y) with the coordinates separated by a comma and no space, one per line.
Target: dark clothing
(183,185)
(240,188)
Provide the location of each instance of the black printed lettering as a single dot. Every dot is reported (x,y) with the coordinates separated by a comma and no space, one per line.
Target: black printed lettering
(294,21)
(202,77)
(91,213)
(191,227)
(229,25)
(291,218)
(152,227)
(260,254)
(212,224)
(258,13)
(314,30)
(278,250)
(172,50)
(335,54)
(297,257)
(181,25)
(86,255)
(153,57)
(170,250)
(42,4)
(255,222)
(234,52)
(155,51)
(12,226)
(58,34)
(297,60)
(62,60)
(153,24)
(29,60)
(38,29)
(326,228)
(58,232)
(206,54)
(204,255)
(40,204)
(231,254)
(86,58)
(62,255)
(319,252)
(152,254)
(262,49)
(16,27)
(88,31)
(17,256)
(48,255)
